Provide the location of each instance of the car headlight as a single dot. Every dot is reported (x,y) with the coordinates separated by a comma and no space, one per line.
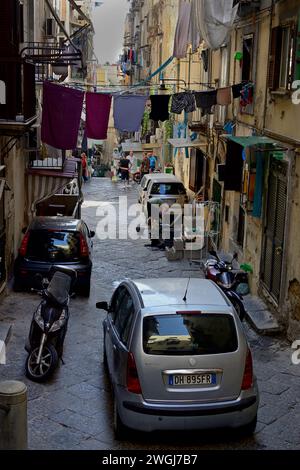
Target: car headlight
(59,323)
(38,317)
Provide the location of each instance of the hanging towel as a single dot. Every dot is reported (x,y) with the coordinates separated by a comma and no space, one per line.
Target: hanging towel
(61,115)
(183,101)
(194,31)
(182,30)
(206,100)
(97,115)
(159,107)
(128,112)
(224,96)
(236,90)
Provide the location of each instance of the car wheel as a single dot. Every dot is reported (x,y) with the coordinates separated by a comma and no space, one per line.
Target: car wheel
(85,290)
(17,286)
(120,430)
(248,429)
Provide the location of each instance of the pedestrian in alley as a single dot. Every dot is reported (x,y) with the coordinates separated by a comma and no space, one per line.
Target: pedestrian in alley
(152,162)
(145,166)
(125,166)
(84,165)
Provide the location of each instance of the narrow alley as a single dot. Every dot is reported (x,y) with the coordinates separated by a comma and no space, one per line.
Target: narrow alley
(73,410)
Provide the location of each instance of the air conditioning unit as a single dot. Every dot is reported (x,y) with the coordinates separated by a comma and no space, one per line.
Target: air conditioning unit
(50,27)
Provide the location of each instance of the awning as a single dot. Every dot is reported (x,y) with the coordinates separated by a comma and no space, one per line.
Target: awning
(184,143)
(45,183)
(255,140)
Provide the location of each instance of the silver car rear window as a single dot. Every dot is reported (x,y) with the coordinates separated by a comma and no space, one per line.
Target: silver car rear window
(189,334)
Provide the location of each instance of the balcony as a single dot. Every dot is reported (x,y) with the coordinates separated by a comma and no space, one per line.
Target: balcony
(46,56)
(18,99)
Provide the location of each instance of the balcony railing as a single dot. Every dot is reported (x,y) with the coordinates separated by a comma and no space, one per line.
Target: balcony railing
(37,161)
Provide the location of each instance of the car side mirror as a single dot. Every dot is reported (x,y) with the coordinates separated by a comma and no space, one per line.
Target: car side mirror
(92,233)
(102,306)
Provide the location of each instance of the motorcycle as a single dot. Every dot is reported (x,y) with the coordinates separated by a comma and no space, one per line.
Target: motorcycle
(228,279)
(49,324)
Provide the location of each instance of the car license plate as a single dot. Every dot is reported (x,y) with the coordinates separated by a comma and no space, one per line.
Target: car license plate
(192,379)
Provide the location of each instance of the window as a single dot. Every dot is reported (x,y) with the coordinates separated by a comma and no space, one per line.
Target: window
(241,227)
(57,246)
(248,45)
(124,317)
(164,189)
(197,163)
(282,57)
(192,334)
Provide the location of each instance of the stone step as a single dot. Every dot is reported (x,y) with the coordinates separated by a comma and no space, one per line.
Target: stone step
(259,317)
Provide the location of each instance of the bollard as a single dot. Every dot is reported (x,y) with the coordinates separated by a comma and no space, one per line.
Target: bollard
(13,415)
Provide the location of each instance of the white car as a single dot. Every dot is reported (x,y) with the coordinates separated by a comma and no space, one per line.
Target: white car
(167,189)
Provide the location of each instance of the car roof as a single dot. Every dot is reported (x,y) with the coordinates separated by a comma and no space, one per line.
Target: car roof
(159,175)
(170,291)
(166,179)
(54,223)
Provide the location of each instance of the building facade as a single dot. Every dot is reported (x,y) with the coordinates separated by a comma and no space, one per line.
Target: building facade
(249,161)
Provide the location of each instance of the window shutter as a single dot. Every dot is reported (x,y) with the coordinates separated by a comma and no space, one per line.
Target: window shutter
(297,52)
(274,58)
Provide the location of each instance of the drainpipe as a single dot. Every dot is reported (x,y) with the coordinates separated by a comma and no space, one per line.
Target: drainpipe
(269,51)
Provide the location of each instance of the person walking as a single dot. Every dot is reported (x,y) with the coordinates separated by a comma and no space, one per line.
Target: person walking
(84,165)
(152,161)
(125,168)
(145,165)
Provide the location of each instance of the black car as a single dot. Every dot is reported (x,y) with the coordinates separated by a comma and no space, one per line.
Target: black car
(52,241)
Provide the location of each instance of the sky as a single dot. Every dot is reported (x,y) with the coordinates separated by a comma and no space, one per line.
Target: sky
(108,20)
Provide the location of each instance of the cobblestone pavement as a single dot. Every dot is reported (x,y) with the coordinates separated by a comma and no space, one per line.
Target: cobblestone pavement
(74,409)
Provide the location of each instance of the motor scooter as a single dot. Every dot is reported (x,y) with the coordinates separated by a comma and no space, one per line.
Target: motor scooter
(49,324)
(222,272)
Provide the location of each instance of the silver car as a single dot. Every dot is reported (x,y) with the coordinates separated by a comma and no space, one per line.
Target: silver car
(177,358)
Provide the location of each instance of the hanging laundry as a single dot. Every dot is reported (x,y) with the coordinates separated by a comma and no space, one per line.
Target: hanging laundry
(247,95)
(236,90)
(128,112)
(97,115)
(216,18)
(224,96)
(182,30)
(194,31)
(61,115)
(205,58)
(183,101)
(159,107)
(206,100)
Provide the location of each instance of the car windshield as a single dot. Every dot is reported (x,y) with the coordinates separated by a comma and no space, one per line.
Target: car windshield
(192,334)
(165,189)
(56,245)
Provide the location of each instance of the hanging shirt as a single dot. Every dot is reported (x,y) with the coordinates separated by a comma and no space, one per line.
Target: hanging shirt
(129,111)
(61,115)
(206,100)
(159,107)
(97,115)
(224,96)
(236,90)
(182,30)
(183,101)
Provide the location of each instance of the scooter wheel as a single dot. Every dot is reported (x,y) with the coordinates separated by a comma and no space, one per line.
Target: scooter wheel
(40,372)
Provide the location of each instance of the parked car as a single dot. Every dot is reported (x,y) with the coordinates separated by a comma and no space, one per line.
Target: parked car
(167,189)
(177,358)
(145,182)
(50,241)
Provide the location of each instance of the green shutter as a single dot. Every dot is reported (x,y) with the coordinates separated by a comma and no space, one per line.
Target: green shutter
(297,51)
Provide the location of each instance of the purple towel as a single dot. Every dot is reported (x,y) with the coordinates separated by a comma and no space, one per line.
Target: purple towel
(129,111)
(61,115)
(97,115)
